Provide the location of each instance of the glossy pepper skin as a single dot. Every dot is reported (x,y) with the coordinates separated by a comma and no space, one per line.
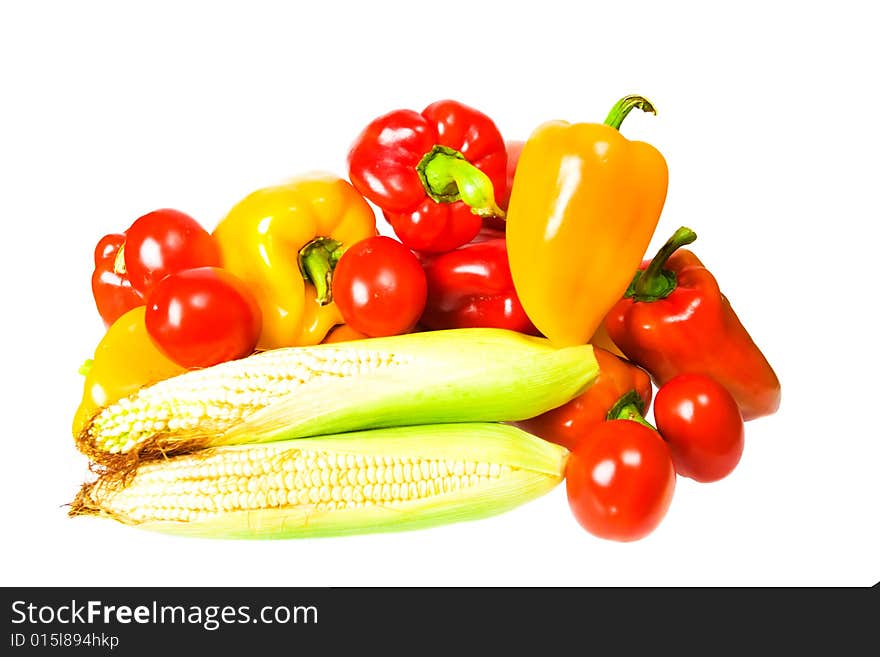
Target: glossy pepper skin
(125,360)
(471,287)
(434,174)
(584,206)
(284,242)
(342,333)
(620,383)
(674,320)
(111,288)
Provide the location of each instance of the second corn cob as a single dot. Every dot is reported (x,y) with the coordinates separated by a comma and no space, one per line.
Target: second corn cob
(378,480)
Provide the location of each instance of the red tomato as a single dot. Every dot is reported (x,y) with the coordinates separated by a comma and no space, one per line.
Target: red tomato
(379,287)
(204,316)
(703,425)
(164,242)
(620,482)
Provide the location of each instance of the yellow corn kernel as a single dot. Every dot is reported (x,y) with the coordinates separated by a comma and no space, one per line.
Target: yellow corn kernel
(190,494)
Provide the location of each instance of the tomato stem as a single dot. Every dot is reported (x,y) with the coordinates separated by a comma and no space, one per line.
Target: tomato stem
(626,105)
(317,260)
(448,177)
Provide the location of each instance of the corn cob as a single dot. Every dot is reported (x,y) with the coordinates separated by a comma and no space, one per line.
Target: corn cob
(460,375)
(376,480)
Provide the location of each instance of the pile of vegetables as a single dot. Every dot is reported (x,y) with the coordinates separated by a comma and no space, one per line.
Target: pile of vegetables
(295,373)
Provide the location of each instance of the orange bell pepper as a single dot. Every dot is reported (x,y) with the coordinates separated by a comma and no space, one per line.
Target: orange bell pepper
(343,333)
(584,206)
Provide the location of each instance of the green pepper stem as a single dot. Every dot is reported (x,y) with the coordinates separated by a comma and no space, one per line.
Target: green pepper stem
(448,177)
(317,260)
(626,105)
(630,407)
(627,401)
(655,282)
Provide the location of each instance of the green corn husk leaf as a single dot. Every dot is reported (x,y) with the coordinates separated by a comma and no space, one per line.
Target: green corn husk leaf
(189,495)
(459,375)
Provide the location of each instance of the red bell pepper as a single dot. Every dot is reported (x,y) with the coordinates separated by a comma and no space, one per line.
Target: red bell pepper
(620,385)
(498,223)
(114,295)
(674,320)
(472,287)
(514,148)
(433,175)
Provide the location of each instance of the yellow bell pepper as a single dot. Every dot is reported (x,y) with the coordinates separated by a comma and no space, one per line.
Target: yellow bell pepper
(584,206)
(284,242)
(125,360)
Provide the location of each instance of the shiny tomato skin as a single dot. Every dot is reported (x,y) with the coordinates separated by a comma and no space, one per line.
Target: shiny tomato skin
(379,287)
(163,242)
(620,482)
(702,423)
(203,316)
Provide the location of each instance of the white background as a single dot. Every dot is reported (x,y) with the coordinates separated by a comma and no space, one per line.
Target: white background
(767,118)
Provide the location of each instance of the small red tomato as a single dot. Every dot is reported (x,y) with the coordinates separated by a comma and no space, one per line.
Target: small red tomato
(204,316)
(703,425)
(163,242)
(379,287)
(620,481)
